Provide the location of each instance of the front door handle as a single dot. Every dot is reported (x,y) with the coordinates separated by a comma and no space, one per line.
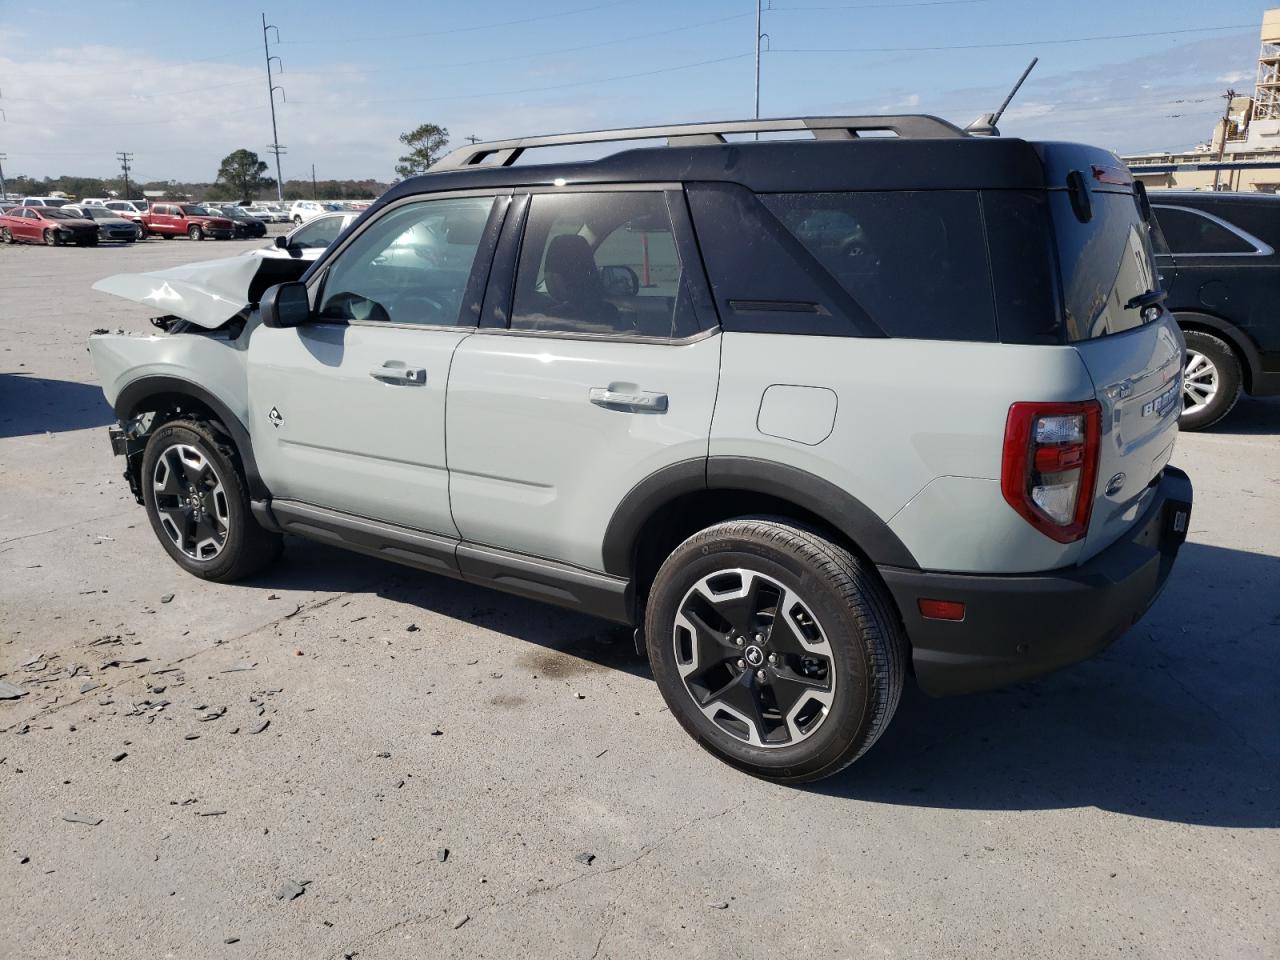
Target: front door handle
(626,396)
(395,372)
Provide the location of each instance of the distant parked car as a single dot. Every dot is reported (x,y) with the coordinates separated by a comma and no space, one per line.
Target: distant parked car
(92,202)
(49,225)
(129,209)
(111,226)
(262,213)
(308,241)
(304,210)
(195,221)
(1218,262)
(246,226)
(44,201)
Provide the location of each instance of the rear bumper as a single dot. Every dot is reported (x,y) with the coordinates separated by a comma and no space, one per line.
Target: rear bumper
(1021,626)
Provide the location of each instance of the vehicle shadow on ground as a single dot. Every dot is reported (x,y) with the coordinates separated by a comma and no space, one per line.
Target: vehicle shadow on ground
(561,643)
(1252,416)
(33,405)
(1177,721)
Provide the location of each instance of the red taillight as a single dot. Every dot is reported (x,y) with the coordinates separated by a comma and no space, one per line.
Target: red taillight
(1050,465)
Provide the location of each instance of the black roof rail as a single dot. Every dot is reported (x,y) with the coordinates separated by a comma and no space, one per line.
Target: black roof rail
(503,153)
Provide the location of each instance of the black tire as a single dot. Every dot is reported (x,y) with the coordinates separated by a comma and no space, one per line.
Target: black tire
(50,238)
(246,547)
(194,232)
(1219,356)
(850,608)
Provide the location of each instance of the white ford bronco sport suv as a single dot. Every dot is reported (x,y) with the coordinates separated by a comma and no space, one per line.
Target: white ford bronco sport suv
(811,415)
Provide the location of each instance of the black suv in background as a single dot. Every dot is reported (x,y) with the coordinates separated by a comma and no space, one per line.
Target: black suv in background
(1217,258)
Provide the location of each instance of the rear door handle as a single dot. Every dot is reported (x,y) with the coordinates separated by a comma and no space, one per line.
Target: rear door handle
(627,397)
(395,372)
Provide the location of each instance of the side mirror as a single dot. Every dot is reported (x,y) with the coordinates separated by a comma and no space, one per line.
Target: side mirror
(285,305)
(282,242)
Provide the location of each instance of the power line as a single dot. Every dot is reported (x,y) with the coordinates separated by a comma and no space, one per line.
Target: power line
(875,6)
(1014,43)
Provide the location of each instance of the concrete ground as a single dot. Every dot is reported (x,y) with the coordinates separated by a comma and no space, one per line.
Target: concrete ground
(1126,806)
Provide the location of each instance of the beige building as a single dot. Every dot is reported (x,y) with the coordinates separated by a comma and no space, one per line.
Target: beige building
(1244,151)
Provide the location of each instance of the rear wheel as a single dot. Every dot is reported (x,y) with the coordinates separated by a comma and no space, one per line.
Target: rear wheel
(1211,380)
(198,505)
(194,232)
(776,649)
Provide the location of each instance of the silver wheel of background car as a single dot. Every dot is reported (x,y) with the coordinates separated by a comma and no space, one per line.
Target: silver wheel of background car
(195,233)
(1199,382)
(191,502)
(754,658)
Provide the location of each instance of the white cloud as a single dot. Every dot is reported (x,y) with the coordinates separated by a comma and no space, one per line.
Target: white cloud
(1235,76)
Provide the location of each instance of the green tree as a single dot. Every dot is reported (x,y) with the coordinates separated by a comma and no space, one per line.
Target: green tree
(241,175)
(425,144)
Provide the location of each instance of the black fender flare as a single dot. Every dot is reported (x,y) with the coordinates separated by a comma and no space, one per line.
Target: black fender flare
(132,399)
(843,511)
(1244,346)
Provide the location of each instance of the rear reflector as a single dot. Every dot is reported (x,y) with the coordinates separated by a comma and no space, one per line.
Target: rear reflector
(941,609)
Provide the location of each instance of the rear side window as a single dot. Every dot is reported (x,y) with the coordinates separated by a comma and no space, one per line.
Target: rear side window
(1191,232)
(602,263)
(915,261)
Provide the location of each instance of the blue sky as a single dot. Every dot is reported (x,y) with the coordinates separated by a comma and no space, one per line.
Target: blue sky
(182,88)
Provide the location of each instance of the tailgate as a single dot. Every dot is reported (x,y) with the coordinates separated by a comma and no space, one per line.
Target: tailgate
(1138,381)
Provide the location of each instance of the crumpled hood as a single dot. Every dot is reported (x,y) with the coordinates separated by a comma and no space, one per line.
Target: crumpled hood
(208,293)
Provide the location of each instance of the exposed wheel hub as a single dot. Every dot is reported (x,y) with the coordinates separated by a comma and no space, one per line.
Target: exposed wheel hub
(753,658)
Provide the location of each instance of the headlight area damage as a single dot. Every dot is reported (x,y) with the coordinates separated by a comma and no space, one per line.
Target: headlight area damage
(195,368)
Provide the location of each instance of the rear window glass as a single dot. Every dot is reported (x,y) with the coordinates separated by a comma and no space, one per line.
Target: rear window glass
(915,261)
(1105,263)
(1189,232)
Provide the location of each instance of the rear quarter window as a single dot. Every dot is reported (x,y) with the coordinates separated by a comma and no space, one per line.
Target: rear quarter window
(915,261)
(1191,232)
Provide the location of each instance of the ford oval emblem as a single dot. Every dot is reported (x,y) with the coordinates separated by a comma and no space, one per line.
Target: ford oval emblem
(1115,484)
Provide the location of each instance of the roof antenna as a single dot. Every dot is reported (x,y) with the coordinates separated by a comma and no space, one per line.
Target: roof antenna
(985,125)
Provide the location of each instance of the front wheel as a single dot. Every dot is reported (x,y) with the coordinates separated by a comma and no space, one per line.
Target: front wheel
(51,238)
(198,505)
(194,232)
(776,649)
(5,235)
(1211,380)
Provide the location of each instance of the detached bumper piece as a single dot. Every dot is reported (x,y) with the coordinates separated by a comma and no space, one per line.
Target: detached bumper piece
(1021,626)
(124,444)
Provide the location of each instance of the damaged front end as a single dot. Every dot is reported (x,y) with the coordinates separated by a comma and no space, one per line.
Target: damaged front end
(195,364)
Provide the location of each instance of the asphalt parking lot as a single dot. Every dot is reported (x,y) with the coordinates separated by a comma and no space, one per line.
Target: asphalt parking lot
(341,723)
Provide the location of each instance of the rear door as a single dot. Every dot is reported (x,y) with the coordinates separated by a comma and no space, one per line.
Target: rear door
(1134,356)
(347,412)
(595,366)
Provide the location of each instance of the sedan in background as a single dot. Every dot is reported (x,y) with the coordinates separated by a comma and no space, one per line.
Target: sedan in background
(246,226)
(112,227)
(49,225)
(308,241)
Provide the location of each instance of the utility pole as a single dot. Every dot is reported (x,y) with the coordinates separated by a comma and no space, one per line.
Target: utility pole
(473,139)
(124,159)
(275,146)
(759,37)
(313,183)
(1226,125)
(4,194)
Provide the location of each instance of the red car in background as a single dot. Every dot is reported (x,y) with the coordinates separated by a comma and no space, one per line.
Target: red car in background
(51,225)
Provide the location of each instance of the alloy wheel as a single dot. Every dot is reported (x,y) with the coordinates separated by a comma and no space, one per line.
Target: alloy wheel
(1199,382)
(754,658)
(190,502)
(51,238)
(6,236)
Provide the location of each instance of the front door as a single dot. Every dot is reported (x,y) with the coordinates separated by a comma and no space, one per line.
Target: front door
(348,410)
(604,373)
